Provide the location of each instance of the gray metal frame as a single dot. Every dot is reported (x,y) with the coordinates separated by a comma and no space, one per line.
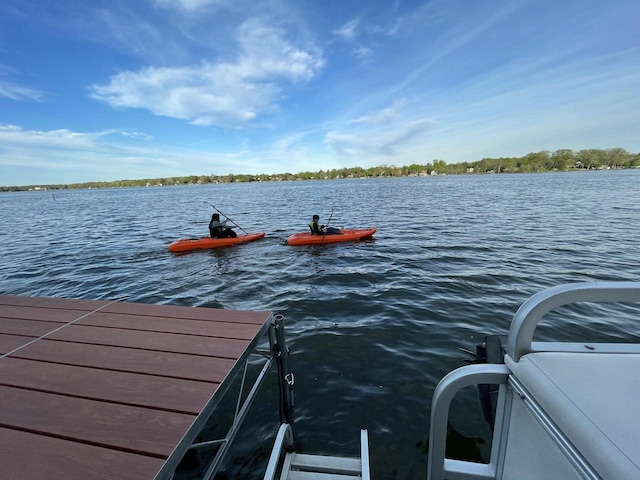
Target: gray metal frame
(274,327)
(317,466)
(519,343)
(441,467)
(533,310)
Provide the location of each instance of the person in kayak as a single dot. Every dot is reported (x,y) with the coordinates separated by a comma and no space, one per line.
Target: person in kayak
(322,229)
(218,229)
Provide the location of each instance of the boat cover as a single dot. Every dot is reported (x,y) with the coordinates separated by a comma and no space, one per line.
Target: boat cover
(593,398)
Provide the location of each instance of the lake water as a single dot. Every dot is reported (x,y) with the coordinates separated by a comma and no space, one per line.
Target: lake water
(372,326)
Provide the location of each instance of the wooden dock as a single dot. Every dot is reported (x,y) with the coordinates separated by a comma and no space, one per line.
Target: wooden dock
(108,390)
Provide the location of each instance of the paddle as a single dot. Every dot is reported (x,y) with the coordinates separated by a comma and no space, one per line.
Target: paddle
(214,207)
(326,227)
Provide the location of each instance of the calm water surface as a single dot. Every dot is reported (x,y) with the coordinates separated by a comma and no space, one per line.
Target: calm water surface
(372,326)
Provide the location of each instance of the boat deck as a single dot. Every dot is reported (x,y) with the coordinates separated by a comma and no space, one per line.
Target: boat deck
(100,389)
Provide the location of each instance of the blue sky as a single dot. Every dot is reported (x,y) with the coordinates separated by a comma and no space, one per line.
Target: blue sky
(128,89)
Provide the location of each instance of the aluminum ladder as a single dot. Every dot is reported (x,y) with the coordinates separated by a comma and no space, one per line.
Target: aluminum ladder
(300,466)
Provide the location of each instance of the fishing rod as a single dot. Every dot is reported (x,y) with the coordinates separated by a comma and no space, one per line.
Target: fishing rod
(330,216)
(231,220)
(326,227)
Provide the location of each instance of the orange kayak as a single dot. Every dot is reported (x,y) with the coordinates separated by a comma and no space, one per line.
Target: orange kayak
(185,244)
(305,238)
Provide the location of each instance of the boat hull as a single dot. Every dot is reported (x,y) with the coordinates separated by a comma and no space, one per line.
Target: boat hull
(187,244)
(305,238)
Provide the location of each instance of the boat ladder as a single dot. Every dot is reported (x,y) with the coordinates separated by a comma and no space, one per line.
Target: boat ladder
(300,466)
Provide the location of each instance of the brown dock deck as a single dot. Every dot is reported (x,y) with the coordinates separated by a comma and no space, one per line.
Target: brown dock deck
(108,390)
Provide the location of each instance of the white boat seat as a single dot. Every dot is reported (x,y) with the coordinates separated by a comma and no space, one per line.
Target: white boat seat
(594,399)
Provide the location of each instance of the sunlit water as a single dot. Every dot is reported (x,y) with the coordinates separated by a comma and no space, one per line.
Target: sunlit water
(372,326)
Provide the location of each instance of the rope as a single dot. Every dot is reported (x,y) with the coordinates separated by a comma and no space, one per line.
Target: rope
(56,330)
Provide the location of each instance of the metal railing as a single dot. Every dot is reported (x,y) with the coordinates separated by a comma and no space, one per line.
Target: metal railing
(533,310)
(441,467)
(519,343)
(278,353)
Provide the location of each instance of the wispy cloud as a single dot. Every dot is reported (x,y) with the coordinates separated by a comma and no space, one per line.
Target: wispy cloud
(378,142)
(384,116)
(359,45)
(385,132)
(190,5)
(454,39)
(15,91)
(325,87)
(223,94)
(348,31)
(64,156)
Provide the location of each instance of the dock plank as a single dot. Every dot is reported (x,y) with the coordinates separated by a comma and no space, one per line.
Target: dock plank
(24,455)
(173,311)
(53,303)
(133,429)
(167,364)
(102,389)
(173,394)
(11,342)
(43,314)
(29,328)
(168,342)
(129,312)
(241,331)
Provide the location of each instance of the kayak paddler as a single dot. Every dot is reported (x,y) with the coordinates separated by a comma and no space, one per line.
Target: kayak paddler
(218,229)
(321,229)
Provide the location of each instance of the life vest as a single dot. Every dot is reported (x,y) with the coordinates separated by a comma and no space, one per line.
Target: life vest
(313,232)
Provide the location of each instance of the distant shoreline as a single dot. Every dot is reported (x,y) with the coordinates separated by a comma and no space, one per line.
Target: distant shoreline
(540,162)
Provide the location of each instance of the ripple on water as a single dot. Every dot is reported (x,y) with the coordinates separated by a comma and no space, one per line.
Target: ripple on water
(372,326)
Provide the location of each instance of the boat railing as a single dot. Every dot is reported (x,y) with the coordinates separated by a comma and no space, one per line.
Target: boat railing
(532,311)
(519,343)
(441,467)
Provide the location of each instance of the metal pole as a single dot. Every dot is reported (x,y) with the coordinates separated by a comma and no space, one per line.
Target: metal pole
(286,379)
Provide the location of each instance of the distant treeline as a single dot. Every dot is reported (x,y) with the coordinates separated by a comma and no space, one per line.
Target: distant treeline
(545,161)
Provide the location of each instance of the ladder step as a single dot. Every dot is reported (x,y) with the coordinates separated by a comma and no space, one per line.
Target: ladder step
(293,475)
(326,464)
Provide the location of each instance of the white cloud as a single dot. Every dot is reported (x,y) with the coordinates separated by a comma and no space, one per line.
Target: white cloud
(31,157)
(348,30)
(224,94)
(136,135)
(390,131)
(14,91)
(383,141)
(12,136)
(364,54)
(266,53)
(349,33)
(64,156)
(190,5)
(385,115)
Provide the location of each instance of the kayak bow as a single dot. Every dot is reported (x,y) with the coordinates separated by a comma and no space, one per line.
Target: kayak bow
(186,244)
(305,238)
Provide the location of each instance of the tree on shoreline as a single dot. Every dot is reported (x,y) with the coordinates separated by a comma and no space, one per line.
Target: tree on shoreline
(544,161)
